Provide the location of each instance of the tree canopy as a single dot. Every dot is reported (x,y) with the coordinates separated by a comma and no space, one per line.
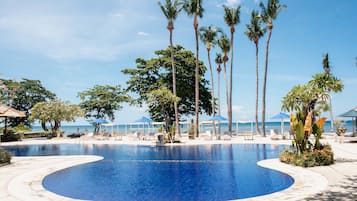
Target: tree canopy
(54,113)
(23,95)
(305,98)
(103,101)
(155,73)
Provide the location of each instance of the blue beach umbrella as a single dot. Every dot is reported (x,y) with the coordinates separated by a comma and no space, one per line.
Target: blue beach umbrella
(353,114)
(218,118)
(144,120)
(281,116)
(98,121)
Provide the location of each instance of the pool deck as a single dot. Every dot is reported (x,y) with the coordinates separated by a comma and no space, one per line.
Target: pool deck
(22,179)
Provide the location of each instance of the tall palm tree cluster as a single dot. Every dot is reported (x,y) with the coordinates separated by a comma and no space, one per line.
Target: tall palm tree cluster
(212,36)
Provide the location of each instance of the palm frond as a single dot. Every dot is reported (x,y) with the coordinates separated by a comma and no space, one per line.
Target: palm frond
(231,15)
(193,7)
(255,30)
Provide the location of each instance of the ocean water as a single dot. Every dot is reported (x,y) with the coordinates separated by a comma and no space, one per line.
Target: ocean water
(146,129)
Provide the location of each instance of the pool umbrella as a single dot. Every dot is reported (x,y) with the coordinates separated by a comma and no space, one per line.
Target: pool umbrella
(281,116)
(218,118)
(97,122)
(6,111)
(351,113)
(144,120)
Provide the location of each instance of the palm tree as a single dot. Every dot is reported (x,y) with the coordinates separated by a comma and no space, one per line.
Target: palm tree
(171,10)
(231,17)
(254,33)
(269,13)
(194,8)
(327,69)
(208,36)
(224,44)
(219,61)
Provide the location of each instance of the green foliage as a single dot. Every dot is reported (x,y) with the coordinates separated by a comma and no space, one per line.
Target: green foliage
(9,136)
(23,96)
(225,44)
(21,128)
(300,141)
(208,36)
(309,159)
(171,10)
(5,156)
(156,73)
(271,10)
(307,97)
(231,16)
(193,7)
(102,101)
(255,30)
(160,102)
(308,101)
(54,113)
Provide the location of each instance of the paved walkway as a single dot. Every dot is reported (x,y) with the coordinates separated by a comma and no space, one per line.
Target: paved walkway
(22,180)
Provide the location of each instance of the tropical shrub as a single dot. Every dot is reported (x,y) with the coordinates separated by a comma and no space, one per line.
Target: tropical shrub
(308,158)
(5,156)
(10,136)
(308,101)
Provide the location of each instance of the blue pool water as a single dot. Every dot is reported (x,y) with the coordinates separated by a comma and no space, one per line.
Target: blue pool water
(205,172)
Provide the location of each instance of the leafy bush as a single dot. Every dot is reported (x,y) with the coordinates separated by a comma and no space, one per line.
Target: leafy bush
(309,158)
(5,156)
(10,136)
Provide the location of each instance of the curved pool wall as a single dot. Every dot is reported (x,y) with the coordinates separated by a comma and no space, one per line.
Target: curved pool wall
(202,172)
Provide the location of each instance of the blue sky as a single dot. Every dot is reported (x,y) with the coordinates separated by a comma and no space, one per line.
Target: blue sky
(72,45)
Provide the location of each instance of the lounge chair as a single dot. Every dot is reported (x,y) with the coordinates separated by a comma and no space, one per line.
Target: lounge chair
(274,134)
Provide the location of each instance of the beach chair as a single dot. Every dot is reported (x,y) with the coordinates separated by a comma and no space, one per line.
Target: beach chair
(274,134)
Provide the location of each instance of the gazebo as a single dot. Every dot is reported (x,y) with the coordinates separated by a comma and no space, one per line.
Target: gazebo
(9,112)
(351,113)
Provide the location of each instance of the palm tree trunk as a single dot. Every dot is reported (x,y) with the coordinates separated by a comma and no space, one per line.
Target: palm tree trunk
(226,80)
(257,88)
(212,92)
(174,85)
(230,89)
(265,81)
(197,77)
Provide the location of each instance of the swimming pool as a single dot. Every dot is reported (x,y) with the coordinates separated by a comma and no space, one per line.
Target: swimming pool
(202,172)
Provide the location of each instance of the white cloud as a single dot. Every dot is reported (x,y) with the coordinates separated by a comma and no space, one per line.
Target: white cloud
(233,2)
(141,33)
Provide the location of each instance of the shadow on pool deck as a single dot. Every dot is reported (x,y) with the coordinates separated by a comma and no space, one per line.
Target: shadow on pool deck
(343,190)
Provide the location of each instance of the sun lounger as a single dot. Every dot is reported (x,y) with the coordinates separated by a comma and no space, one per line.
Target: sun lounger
(274,134)
(346,137)
(226,137)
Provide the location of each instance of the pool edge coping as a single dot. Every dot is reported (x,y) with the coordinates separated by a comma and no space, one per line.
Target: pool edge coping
(21,184)
(306,182)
